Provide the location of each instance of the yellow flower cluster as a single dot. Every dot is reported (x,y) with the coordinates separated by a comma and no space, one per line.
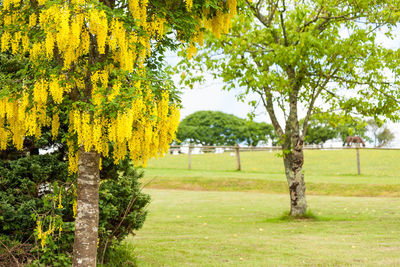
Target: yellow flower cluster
(144,130)
(218,24)
(101,58)
(189,4)
(12,113)
(68,28)
(55,223)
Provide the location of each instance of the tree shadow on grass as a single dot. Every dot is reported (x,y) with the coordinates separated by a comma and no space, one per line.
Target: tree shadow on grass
(309,217)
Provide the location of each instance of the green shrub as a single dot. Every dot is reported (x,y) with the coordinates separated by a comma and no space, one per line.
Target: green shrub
(122,208)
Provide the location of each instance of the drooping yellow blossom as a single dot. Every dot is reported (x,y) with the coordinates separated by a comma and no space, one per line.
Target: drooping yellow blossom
(55,125)
(60,206)
(84,55)
(189,4)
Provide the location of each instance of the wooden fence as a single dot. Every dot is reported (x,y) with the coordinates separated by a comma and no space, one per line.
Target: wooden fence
(237,149)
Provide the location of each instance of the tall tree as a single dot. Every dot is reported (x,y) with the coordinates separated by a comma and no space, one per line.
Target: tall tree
(211,128)
(96,60)
(318,56)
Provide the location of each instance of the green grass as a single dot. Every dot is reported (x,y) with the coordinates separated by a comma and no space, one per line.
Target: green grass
(232,218)
(198,228)
(327,172)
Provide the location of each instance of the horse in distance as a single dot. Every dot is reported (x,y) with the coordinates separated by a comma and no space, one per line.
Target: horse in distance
(354,140)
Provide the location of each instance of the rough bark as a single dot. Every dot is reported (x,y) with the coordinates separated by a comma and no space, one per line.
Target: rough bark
(293,162)
(293,154)
(87,214)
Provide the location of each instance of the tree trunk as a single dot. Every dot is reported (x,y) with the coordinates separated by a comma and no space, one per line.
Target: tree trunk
(293,162)
(87,214)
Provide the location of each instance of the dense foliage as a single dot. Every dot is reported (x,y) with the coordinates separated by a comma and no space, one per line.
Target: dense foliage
(29,191)
(218,128)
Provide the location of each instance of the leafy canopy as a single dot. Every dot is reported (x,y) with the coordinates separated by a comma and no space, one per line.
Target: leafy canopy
(320,56)
(218,128)
(97,62)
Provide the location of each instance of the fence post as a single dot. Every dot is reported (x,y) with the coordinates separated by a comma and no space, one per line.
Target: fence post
(238,166)
(358,160)
(190,156)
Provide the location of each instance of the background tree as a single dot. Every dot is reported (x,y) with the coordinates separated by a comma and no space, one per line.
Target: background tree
(254,133)
(382,135)
(318,132)
(211,128)
(326,126)
(352,127)
(97,62)
(374,126)
(318,56)
(385,137)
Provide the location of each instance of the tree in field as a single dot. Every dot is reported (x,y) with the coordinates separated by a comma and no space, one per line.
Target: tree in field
(352,127)
(253,133)
(96,61)
(385,137)
(317,56)
(318,132)
(323,127)
(382,135)
(211,128)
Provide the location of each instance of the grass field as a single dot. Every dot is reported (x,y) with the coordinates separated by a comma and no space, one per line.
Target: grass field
(231,218)
(199,228)
(327,172)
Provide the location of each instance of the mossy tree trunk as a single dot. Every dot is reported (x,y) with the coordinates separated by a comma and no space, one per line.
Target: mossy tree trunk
(293,162)
(293,157)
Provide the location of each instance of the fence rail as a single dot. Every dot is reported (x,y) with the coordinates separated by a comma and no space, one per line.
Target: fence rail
(250,148)
(189,150)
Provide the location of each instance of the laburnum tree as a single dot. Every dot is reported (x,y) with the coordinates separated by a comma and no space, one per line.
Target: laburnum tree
(312,57)
(90,59)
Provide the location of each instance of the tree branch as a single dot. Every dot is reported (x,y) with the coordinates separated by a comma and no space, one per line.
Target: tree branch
(369,84)
(268,104)
(314,98)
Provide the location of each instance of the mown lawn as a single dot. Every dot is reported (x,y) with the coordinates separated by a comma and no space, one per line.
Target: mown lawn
(327,172)
(206,228)
(231,218)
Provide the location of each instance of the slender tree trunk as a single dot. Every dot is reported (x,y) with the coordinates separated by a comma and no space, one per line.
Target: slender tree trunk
(293,162)
(87,214)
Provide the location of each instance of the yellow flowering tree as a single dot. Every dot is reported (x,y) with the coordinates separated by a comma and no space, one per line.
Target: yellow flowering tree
(89,59)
